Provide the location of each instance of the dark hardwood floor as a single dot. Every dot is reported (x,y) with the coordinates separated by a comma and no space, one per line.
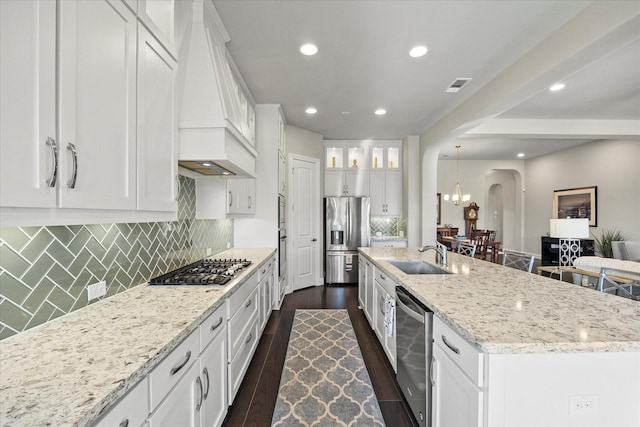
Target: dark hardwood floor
(255,401)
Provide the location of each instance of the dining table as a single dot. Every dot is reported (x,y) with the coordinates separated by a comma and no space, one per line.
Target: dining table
(493,247)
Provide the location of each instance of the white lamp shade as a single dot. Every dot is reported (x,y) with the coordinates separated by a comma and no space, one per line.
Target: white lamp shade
(576,228)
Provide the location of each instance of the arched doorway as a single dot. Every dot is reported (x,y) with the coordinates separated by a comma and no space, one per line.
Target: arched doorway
(504,206)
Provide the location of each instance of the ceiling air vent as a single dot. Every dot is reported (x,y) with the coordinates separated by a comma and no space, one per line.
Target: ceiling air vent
(457,84)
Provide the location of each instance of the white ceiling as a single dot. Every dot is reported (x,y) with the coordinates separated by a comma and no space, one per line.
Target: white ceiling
(363,64)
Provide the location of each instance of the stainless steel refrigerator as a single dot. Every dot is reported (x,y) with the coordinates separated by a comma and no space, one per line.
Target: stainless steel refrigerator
(346,228)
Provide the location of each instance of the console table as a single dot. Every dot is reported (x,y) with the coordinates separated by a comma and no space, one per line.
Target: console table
(551,250)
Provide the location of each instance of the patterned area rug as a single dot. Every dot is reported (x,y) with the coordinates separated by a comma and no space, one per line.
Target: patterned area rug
(324,381)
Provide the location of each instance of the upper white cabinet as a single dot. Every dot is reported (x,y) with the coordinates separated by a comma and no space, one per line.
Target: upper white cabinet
(157,15)
(28,143)
(386,155)
(386,193)
(346,183)
(157,151)
(345,155)
(97,90)
(241,196)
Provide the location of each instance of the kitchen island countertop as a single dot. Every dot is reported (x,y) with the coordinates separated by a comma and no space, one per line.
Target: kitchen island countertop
(67,371)
(503,310)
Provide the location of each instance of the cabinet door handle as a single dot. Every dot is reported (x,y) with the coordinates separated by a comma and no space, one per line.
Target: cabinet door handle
(249,201)
(230,198)
(74,155)
(51,182)
(199,404)
(248,303)
(382,277)
(217,325)
(456,350)
(178,188)
(175,369)
(124,423)
(205,372)
(249,338)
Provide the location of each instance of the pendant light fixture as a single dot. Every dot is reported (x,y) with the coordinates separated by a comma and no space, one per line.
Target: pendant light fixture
(457,195)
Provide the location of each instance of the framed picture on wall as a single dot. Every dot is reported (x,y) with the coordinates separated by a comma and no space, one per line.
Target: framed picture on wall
(438,212)
(576,203)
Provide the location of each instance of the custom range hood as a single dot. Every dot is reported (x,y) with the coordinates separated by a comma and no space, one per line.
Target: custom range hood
(217,120)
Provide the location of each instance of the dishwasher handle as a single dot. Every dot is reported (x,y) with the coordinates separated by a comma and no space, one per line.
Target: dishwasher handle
(404,303)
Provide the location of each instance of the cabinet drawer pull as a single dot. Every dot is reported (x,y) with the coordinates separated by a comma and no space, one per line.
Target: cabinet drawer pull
(250,202)
(249,338)
(217,325)
(178,188)
(230,198)
(431,370)
(74,176)
(51,182)
(382,277)
(205,373)
(199,404)
(456,350)
(175,369)
(124,423)
(248,303)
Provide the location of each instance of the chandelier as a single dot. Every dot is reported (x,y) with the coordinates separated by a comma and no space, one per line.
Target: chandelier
(457,197)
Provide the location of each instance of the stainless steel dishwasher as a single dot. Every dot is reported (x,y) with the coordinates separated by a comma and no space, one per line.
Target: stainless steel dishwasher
(414,339)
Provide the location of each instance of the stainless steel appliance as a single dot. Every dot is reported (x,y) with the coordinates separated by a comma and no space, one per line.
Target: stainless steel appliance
(282,237)
(347,227)
(203,272)
(414,340)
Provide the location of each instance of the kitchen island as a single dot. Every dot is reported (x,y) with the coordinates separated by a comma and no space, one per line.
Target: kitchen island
(545,352)
(70,370)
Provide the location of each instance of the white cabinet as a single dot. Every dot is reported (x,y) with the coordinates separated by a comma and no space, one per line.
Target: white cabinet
(384,290)
(28,155)
(266,288)
(213,372)
(370,293)
(183,404)
(157,151)
(389,243)
(456,380)
(386,193)
(362,282)
(282,173)
(386,156)
(157,15)
(455,400)
(282,135)
(97,99)
(241,196)
(346,183)
(131,410)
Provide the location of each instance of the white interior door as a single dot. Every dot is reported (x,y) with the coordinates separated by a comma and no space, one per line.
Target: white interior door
(304,222)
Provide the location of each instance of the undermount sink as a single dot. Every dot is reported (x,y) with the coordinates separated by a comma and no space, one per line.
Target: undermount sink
(410,266)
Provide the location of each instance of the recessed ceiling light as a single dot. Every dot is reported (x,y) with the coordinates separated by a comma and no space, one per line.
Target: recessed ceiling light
(380,112)
(311,110)
(308,49)
(346,113)
(520,154)
(206,164)
(418,51)
(556,87)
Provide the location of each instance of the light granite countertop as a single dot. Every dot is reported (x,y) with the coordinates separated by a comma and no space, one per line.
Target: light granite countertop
(67,371)
(503,310)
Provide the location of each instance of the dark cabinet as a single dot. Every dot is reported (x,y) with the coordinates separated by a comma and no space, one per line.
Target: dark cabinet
(551,249)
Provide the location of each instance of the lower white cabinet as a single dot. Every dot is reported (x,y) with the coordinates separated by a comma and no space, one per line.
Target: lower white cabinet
(369,297)
(213,371)
(362,282)
(266,292)
(131,410)
(183,404)
(456,401)
(388,243)
(385,288)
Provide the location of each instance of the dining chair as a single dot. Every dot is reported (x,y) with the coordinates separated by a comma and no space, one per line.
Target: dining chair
(518,260)
(619,281)
(467,249)
(480,238)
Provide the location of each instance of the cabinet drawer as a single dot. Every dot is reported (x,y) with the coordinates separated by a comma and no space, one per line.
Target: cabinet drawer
(238,366)
(212,326)
(131,410)
(168,372)
(239,298)
(465,355)
(386,282)
(239,323)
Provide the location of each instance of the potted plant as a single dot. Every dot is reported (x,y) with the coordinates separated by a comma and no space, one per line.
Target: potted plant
(602,243)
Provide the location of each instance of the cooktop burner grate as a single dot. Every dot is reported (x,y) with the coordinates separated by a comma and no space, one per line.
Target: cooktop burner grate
(204,272)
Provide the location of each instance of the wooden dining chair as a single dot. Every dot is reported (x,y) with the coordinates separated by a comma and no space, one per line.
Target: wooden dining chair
(518,260)
(480,238)
(467,249)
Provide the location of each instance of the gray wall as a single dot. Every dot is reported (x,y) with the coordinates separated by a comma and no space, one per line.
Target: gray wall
(612,165)
(304,142)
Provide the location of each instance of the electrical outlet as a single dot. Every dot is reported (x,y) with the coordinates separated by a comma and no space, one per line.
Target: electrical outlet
(583,405)
(208,251)
(96,290)
(228,245)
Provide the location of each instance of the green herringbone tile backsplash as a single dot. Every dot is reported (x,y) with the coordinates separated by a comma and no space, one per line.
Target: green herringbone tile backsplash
(44,271)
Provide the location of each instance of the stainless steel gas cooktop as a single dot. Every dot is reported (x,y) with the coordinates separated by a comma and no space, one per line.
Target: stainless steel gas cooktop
(203,272)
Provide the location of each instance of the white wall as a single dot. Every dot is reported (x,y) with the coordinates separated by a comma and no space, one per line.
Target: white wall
(307,143)
(612,165)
